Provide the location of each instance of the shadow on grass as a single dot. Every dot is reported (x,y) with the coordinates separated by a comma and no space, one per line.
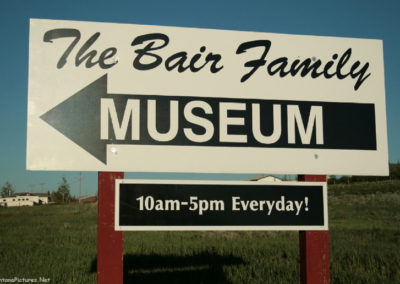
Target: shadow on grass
(198,268)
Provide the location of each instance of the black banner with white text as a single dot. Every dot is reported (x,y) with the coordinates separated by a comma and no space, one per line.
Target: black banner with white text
(244,205)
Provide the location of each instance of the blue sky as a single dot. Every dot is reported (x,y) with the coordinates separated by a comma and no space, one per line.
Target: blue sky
(359,19)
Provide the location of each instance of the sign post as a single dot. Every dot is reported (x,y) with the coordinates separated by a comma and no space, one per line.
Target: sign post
(109,241)
(314,248)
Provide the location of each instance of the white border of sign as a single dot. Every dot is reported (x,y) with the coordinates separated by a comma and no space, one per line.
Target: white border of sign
(220,228)
(49,86)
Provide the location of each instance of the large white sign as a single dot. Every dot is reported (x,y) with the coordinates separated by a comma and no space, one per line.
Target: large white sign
(119,97)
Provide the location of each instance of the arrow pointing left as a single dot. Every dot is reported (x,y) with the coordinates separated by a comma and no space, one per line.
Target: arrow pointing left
(78,118)
(207,122)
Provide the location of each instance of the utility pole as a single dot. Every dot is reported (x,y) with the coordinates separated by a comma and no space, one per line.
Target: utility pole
(80,186)
(42,185)
(32,187)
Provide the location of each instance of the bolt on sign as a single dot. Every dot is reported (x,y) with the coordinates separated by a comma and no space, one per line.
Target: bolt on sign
(146,205)
(123,97)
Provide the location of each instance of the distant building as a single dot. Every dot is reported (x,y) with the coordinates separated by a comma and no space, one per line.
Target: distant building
(24,199)
(265,178)
(88,199)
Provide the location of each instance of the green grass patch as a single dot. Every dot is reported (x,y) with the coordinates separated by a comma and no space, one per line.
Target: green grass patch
(60,243)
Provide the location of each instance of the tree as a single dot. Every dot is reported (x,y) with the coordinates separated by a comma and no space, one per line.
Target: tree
(344,179)
(395,171)
(332,179)
(62,195)
(7,190)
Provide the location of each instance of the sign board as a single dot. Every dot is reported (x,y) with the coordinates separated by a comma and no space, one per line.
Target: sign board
(121,97)
(209,205)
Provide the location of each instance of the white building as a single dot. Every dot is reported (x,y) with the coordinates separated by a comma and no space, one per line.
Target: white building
(265,178)
(24,199)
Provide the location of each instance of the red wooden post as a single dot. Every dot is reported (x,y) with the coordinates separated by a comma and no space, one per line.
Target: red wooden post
(314,249)
(109,242)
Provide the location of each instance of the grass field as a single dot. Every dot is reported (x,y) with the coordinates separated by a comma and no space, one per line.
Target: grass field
(59,243)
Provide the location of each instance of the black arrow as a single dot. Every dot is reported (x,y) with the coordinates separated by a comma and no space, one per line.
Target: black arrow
(346,125)
(78,118)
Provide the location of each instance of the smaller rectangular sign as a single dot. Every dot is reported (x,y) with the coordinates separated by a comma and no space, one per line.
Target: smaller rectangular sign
(165,205)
